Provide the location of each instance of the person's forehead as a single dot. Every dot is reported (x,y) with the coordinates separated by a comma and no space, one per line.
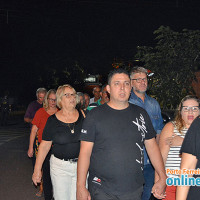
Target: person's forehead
(141,74)
(120,77)
(68,90)
(52,95)
(86,96)
(190,102)
(97,88)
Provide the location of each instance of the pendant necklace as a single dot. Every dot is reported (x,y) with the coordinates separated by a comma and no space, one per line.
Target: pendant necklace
(73,125)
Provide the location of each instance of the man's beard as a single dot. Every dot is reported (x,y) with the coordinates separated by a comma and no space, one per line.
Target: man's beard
(139,91)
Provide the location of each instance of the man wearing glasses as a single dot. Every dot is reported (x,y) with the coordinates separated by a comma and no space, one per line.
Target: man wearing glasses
(139,83)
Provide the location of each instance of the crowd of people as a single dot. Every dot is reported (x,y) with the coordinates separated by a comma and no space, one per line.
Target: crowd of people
(113,146)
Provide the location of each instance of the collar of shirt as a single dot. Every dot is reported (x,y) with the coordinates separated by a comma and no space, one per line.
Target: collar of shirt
(137,100)
(98,102)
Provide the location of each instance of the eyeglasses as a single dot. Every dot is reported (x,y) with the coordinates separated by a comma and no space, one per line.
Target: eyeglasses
(187,108)
(52,100)
(139,80)
(68,95)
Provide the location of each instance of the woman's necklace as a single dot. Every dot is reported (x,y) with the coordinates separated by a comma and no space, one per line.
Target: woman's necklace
(71,129)
(73,115)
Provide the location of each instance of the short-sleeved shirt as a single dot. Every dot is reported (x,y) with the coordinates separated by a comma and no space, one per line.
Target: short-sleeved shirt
(116,161)
(66,145)
(94,105)
(40,120)
(153,109)
(191,145)
(32,109)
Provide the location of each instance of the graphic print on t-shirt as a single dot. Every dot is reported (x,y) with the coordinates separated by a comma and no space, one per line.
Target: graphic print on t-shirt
(140,123)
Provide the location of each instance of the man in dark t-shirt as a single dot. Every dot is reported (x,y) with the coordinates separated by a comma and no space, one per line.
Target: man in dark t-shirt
(112,141)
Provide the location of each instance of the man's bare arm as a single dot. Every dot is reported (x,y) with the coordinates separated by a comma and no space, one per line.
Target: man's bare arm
(188,161)
(44,148)
(82,170)
(28,120)
(156,159)
(31,140)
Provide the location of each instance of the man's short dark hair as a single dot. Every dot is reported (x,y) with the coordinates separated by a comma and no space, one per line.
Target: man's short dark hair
(116,71)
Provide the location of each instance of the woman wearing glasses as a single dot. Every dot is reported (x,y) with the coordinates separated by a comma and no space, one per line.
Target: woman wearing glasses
(39,121)
(190,160)
(172,137)
(62,130)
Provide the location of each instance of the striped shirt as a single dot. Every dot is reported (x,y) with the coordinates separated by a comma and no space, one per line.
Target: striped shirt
(173,161)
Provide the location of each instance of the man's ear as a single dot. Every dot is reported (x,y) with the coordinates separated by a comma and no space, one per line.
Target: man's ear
(108,88)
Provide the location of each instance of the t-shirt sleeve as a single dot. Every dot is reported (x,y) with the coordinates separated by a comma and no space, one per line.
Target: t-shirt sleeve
(28,112)
(49,129)
(190,143)
(150,131)
(88,129)
(37,118)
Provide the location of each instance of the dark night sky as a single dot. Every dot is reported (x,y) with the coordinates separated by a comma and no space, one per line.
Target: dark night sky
(36,34)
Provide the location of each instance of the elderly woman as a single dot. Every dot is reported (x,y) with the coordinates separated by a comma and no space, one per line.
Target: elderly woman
(172,137)
(62,130)
(39,122)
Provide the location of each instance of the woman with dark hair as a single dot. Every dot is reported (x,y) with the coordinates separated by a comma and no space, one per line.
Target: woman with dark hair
(39,121)
(172,136)
(62,130)
(190,161)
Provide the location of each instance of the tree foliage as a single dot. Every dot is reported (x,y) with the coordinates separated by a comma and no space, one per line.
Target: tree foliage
(174,59)
(71,73)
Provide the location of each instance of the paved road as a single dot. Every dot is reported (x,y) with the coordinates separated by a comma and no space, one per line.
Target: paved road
(15,166)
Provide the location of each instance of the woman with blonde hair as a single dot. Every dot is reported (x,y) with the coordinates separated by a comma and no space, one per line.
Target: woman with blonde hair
(172,136)
(62,130)
(39,121)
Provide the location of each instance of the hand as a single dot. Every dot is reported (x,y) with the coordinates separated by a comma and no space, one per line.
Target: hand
(158,189)
(36,177)
(175,140)
(82,194)
(30,152)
